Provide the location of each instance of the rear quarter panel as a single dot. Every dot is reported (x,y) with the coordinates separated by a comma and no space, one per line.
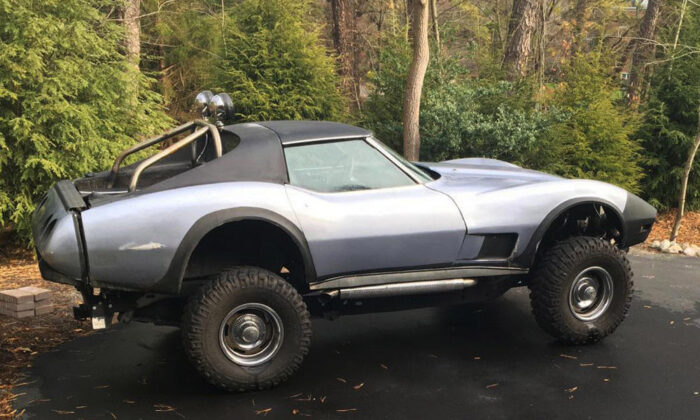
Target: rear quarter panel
(132,242)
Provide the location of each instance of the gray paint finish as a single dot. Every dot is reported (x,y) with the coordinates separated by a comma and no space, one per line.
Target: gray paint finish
(507,199)
(133,242)
(378,229)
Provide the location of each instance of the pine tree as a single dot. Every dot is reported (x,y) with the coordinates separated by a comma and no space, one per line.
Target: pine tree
(596,140)
(274,65)
(65,102)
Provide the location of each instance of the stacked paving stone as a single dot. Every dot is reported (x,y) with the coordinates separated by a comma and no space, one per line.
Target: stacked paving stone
(25,302)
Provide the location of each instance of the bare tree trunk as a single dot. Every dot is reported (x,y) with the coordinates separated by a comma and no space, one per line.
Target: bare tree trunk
(541,58)
(436,28)
(580,15)
(414,82)
(132,29)
(523,21)
(344,34)
(642,50)
(684,182)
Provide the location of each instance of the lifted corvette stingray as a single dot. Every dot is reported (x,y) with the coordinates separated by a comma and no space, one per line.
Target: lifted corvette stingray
(239,233)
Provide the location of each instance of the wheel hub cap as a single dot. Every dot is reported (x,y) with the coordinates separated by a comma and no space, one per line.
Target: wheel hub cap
(591,293)
(251,334)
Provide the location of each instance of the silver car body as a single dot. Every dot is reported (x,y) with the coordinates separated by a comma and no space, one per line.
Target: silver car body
(141,240)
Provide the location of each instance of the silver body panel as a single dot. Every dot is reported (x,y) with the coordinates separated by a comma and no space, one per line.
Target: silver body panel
(497,197)
(133,242)
(380,229)
(354,238)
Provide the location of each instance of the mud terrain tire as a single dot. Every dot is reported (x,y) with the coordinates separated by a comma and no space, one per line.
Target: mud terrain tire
(205,328)
(562,271)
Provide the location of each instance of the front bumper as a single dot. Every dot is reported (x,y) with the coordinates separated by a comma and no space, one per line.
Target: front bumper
(639,216)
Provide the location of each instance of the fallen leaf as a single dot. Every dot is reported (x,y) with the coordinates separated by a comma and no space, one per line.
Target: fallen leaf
(647,306)
(114,416)
(323,399)
(570,390)
(263,411)
(671,322)
(358,386)
(163,408)
(567,356)
(606,380)
(341,380)
(294,396)
(383,366)
(295,411)
(491,386)
(63,412)
(686,318)
(345,410)
(585,364)
(477,357)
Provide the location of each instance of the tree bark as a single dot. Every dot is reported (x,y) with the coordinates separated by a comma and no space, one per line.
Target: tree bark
(436,28)
(684,182)
(642,49)
(344,33)
(523,21)
(132,29)
(414,81)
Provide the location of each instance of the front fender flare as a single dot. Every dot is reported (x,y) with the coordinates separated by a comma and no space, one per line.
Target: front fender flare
(527,257)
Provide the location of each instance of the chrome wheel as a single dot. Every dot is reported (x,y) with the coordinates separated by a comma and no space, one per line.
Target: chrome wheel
(591,293)
(251,334)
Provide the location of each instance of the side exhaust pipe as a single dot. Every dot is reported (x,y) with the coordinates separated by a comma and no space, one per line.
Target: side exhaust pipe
(402,289)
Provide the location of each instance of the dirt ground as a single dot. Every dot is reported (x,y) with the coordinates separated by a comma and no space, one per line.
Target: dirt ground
(22,339)
(689,231)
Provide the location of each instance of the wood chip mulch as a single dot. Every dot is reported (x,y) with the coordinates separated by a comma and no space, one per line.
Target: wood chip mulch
(22,339)
(688,233)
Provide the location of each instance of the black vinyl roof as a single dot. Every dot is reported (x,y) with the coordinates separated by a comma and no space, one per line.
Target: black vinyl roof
(258,155)
(295,131)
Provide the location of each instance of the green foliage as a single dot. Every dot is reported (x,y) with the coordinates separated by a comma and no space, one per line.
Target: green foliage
(68,101)
(459,116)
(595,140)
(274,66)
(671,122)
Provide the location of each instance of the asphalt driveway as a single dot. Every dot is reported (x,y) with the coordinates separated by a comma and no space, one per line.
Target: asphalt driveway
(490,361)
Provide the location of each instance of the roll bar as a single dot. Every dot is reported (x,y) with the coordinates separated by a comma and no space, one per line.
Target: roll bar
(204,128)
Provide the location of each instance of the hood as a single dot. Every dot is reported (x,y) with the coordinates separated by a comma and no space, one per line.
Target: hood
(483,175)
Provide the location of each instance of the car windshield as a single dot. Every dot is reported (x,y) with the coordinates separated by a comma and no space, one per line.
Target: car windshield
(416,170)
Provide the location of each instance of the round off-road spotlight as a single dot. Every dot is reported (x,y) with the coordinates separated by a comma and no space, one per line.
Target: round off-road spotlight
(201,103)
(221,108)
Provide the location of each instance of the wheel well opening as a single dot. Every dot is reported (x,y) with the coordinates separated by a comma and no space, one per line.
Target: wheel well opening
(588,219)
(248,242)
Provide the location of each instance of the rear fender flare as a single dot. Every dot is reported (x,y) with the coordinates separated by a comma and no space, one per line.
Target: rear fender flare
(172,281)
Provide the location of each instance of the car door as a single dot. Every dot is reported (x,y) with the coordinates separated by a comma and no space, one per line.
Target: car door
(361,211)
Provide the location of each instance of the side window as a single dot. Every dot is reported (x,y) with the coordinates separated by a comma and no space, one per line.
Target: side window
(347,165)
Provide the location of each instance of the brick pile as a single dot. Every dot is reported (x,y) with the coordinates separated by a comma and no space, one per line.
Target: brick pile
(25,302)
